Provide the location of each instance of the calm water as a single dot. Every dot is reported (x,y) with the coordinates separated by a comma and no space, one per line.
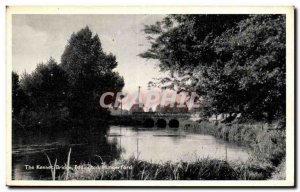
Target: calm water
(145,144)
(172,145)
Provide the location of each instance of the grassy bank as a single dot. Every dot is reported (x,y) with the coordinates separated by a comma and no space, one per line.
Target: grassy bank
(266,144)
(280,172)
(202,169)
(266,161)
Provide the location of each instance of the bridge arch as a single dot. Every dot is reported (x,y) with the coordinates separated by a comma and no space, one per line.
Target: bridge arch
(149,122)
(173,123)
(161,123)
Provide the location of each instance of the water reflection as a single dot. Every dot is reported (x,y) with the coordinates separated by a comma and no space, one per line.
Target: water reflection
(95,150)
(173,145)
(153,145)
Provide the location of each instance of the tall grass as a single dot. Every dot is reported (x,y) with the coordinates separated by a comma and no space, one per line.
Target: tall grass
(267,145)
(53,168)
(268,152)
(68,164)
(202,169)
(280,172)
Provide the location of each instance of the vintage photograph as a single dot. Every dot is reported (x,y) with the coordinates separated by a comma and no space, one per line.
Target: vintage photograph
(113,96)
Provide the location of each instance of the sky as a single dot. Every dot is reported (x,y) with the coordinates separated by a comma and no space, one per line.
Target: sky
(36,38)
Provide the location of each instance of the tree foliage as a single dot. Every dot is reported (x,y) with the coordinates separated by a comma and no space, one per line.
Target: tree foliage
(236,63)
(90,73)
(65,96)
(43,98)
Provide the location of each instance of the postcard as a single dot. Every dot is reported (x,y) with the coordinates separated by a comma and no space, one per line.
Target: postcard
(150,96)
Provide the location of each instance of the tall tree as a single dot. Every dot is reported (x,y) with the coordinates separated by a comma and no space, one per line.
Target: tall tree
(235,62)
(46,91)
(90,74)
(252,55)
(18,97)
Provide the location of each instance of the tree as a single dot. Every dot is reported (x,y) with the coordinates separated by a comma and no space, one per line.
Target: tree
(47,86)
(18,97)
(236,63)
(46,91)
(90,74)
(56,98)
(255,63)
(183,45)
(19,102)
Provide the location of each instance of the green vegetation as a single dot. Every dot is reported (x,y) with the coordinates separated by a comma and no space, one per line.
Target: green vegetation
(235,63)
(267,160)
(64,98)
(202,169)
(280,172)
(266,145)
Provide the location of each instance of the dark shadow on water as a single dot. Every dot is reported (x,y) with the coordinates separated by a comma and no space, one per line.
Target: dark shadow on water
(91,148)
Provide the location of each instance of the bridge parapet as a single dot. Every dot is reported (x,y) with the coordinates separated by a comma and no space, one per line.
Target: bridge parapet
(159,114)
(161,119)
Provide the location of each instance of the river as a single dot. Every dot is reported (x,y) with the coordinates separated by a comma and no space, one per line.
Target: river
(154,145)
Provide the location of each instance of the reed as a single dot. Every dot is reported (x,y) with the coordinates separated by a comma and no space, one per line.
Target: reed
(268,151)
(267,145)
(53,168)
(68,164)
(201,169)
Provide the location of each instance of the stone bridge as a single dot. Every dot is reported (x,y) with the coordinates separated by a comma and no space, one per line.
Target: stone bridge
(160,120)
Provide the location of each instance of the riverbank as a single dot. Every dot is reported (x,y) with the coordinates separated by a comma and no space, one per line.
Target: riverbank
(266,161)
(202,169)
(267,144)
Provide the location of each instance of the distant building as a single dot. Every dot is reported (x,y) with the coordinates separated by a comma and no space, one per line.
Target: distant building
(117,111)
(172,109)
(137,108)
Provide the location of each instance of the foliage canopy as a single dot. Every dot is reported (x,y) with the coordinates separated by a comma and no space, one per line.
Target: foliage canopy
(236,63)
